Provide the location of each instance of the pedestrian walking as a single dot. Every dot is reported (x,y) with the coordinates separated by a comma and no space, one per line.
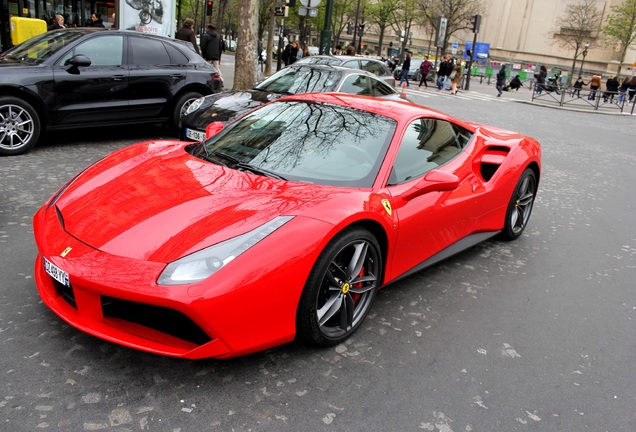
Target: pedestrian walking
(595,84)
(540,77)
(578,85)
(186,33)
(425,68)
(501,80)
(212,46)
(456,76)
(405,70)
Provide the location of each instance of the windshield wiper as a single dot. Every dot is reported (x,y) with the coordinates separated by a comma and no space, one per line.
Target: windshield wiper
(248,167)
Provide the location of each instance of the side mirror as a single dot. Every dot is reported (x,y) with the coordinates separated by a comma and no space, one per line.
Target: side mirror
(433,181)
(73,64)
(213,129)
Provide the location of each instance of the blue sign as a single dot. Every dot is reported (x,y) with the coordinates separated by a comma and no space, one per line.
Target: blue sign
(455,45)
(482,51)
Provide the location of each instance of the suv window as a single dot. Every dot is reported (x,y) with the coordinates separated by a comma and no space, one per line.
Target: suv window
(426,145)
(102,50)
(146,51)
(176,56)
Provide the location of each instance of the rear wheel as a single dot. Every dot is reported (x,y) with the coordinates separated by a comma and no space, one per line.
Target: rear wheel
(19,126)
(520,205)
(182,106)
(340,289)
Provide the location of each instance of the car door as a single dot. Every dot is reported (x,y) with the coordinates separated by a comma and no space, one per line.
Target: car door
(433,221)
(155,77)
(92,94)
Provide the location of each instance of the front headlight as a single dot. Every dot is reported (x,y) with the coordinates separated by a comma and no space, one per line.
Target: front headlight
(195,105)
(202,264)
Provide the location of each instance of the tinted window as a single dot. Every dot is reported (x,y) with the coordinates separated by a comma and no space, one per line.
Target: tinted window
(301,80)
(375,68)
(307,142)
(380,88)
(103,51)
(356,84)
(427,144)
(176,56)
(146,51)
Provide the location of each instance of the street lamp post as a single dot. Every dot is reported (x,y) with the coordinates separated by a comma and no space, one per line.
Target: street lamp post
(584,53)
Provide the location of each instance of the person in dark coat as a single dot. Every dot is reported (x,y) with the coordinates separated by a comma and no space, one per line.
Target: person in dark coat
(611,89)
(185,33)
(97,21)
(405,70)
(501,80)
(540,77)
(212,46)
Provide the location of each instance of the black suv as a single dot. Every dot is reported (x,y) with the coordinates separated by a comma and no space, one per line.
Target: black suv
(84,77)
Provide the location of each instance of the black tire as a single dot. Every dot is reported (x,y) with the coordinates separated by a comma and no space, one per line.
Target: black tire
(181,106)
(19,126)
(520,205)
(340,289)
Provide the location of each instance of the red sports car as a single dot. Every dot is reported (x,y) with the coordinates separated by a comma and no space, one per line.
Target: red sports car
(282,225)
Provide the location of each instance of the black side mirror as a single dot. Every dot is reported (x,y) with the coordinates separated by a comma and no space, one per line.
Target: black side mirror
(73,64)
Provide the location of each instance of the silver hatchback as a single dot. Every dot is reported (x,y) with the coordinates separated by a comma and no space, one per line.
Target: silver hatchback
(376,67)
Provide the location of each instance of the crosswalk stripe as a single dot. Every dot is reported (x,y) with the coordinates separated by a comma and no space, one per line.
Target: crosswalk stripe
(464,95)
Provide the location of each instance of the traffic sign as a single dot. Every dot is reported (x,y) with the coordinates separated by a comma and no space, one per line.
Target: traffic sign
(281,11)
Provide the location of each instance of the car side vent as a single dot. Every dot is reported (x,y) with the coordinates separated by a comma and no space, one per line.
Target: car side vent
(491,160)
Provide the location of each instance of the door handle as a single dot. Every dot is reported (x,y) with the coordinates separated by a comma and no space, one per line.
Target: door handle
(118,77)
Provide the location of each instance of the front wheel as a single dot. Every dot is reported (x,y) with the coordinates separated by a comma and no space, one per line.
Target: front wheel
(340,288)
(181,107)
(520,205)
(19,126)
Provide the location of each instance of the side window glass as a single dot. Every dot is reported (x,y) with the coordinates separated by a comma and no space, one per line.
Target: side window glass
(353,64)
(103,51)
(372,67)
(380,88)
(426,145)
(147,52)
(356,84)
(176,56)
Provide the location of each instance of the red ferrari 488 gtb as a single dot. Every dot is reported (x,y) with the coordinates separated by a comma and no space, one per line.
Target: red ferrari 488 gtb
(282,225)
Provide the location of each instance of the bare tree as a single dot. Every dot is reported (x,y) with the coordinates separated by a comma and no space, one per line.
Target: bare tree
(381,14)
(405,17)
(620,27)
(246,46)
(458,14)
(578,28)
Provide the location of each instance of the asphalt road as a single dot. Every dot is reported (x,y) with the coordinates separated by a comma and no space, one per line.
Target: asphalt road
(534,335)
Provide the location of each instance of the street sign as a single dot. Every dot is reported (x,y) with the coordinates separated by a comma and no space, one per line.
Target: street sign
(311,12)
(310,3)
(454,47)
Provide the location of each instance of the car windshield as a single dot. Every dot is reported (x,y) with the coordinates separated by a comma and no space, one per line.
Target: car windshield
(301,80)
(41,47)
(306,142)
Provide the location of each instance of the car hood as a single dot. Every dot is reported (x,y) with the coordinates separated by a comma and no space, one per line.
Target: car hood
(226,106)
(154,201)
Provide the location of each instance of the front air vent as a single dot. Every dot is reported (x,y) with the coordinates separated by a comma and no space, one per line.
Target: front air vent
(491,160)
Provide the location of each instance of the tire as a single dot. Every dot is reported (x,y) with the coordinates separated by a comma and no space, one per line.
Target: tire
(340,288)
(181,107)
(19,126)
(520,206)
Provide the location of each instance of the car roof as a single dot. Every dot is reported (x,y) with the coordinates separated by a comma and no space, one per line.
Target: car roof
(397,110)
(347,57)
(338,68)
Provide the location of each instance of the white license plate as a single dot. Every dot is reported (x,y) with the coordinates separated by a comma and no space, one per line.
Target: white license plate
(56,273)
(195,135)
